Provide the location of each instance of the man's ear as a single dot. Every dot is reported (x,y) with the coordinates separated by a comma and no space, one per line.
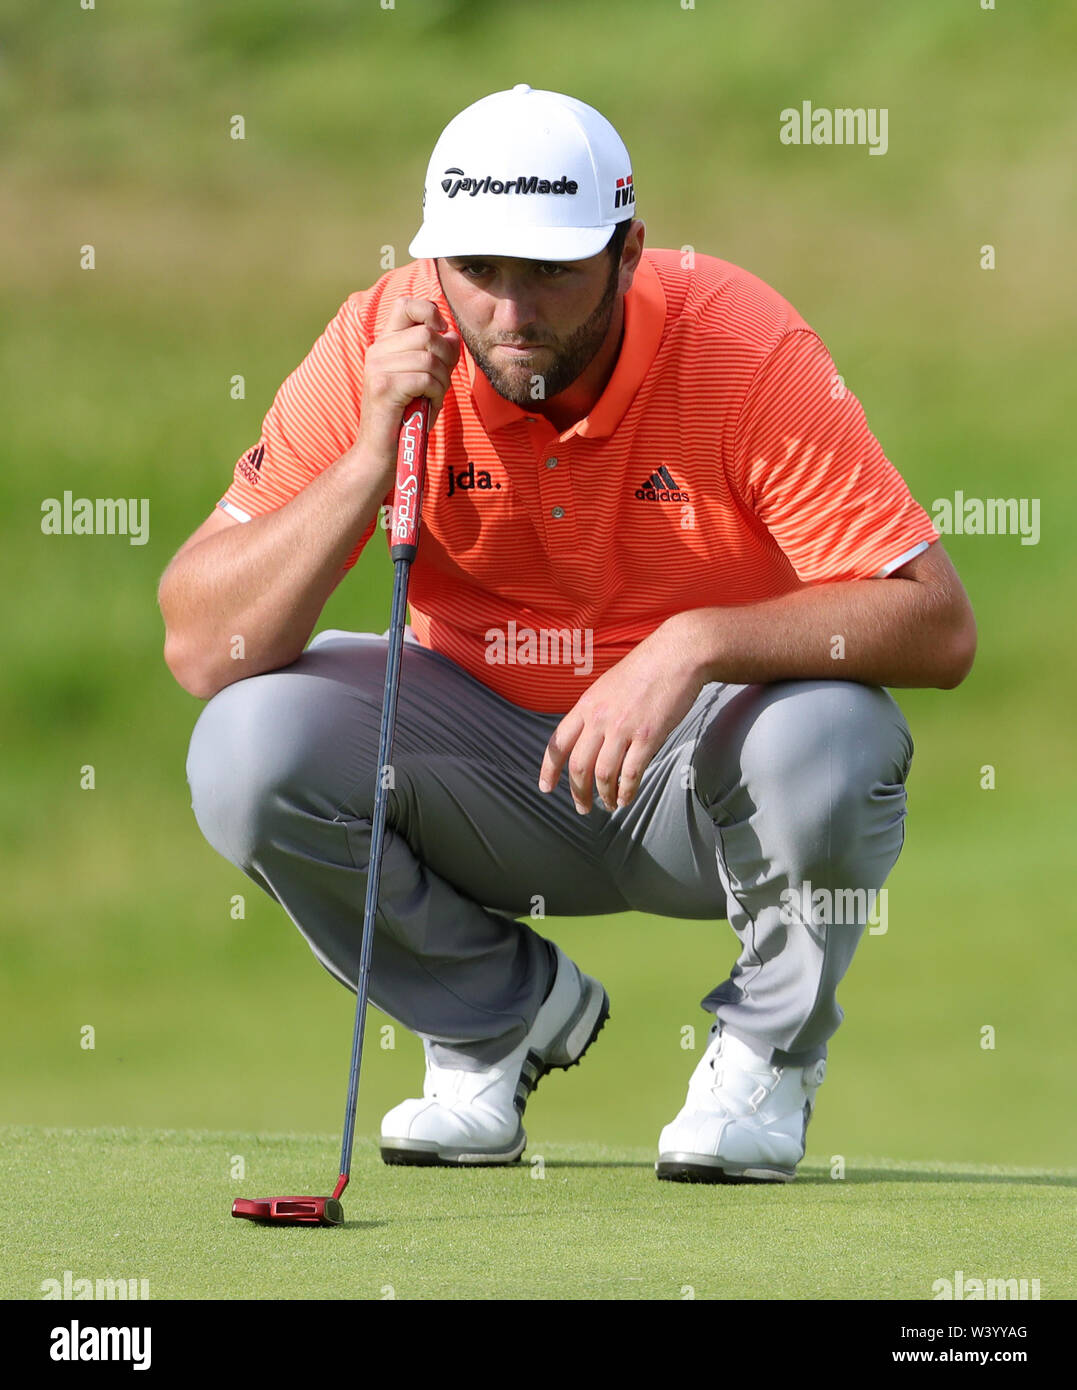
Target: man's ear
(631,255)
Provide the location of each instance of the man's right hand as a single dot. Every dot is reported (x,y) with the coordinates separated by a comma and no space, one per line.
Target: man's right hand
(268,579)
(414,356)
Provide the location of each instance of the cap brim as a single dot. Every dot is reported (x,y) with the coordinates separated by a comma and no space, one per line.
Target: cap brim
(523,243)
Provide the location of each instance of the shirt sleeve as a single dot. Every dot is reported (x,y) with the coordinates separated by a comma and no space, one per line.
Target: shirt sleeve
(314,419)
(807,465)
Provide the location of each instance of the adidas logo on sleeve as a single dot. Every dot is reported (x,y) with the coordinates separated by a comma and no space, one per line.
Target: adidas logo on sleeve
(660,487)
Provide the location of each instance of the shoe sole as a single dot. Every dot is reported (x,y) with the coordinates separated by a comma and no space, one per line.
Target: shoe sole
(585,1025)
(683,1167)
(423,1153)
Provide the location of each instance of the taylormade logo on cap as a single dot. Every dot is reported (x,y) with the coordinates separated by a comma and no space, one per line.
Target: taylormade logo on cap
(456,182)
(525,173)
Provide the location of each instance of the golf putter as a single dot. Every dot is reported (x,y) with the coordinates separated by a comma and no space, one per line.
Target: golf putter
(407,506)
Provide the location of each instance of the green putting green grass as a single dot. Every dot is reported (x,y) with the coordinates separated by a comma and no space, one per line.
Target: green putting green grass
(575,1221)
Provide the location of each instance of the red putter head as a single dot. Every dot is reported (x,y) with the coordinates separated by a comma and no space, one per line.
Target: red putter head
(254,1208)
(291,1211)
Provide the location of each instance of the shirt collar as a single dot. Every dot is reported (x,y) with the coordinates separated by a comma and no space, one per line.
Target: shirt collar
(645,318)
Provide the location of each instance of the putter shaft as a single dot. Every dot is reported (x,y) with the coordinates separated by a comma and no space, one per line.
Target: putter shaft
(401,569)
(411,467)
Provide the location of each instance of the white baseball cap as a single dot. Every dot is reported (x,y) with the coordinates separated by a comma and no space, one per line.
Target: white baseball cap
(525,173)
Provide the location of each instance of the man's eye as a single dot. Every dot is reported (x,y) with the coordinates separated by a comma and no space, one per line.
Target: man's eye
(473,268)
(552,270)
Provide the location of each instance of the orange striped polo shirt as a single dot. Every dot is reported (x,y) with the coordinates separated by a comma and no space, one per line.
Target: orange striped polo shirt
(724,463)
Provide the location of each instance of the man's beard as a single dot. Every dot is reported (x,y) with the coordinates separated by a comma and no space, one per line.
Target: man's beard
(571,355)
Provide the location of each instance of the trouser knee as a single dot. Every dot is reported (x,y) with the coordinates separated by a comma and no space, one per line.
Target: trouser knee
(819,767)
(262,748)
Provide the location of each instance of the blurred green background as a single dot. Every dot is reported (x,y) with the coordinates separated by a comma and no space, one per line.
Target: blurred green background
(217,257)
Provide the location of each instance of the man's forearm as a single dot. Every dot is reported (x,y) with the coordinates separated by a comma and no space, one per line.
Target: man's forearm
(265,581)
(895,632)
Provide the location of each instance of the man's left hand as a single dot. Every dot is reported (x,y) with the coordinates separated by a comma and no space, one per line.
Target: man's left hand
(618,724)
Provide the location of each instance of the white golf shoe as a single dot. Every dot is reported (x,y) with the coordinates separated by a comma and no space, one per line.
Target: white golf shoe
(743,1121)
(475,1117)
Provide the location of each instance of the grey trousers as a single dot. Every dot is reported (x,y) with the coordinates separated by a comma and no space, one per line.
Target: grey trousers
(760,790)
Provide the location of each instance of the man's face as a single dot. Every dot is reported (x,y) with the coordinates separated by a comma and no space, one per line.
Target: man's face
(523,320)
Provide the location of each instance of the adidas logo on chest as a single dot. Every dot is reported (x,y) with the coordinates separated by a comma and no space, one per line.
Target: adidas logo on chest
(661,487)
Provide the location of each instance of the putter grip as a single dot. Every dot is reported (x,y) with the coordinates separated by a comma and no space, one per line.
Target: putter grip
(410,471)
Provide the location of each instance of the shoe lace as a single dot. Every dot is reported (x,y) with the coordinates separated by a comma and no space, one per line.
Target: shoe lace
(730,1101)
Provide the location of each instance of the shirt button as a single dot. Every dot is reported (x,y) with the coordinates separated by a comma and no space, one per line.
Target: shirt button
(551,463)
(557,512)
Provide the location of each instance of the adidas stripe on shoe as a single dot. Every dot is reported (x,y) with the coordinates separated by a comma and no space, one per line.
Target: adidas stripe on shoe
(471,1117)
